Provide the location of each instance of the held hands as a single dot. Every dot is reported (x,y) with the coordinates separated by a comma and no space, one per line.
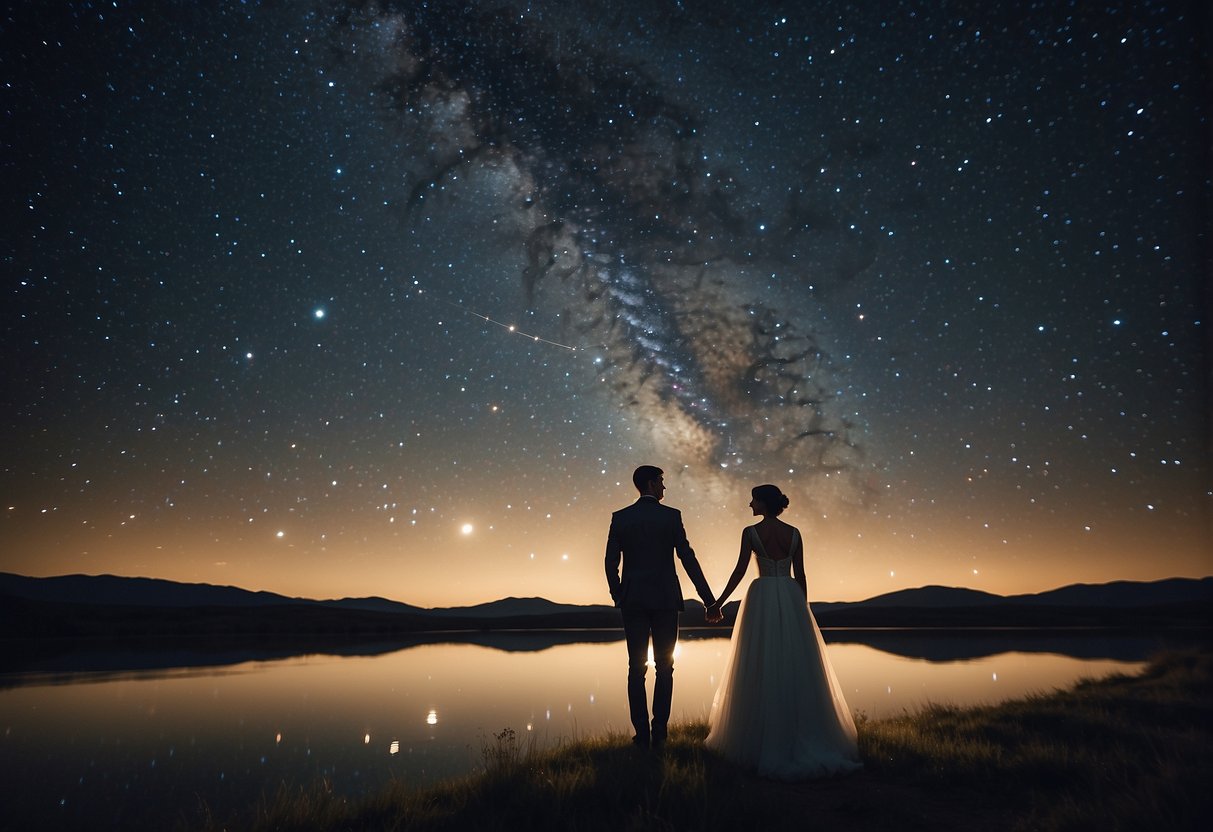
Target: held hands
(713,614)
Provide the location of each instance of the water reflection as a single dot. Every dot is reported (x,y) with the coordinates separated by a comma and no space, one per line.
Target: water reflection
(47,662)
(950,645)
(138,749)
(651,661)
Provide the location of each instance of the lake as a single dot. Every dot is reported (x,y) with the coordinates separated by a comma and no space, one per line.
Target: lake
(102,739)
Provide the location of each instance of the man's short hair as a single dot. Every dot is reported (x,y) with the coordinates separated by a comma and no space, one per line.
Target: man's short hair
(644,475)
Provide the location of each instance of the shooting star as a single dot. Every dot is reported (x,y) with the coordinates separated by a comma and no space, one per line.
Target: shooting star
(516,331)
(511,328)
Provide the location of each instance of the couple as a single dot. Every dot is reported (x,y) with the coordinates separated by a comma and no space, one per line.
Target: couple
(779,708)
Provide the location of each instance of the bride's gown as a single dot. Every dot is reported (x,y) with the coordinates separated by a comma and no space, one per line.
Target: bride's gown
(779,708)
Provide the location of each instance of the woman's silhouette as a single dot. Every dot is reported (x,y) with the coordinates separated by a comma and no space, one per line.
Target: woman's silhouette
(779,708)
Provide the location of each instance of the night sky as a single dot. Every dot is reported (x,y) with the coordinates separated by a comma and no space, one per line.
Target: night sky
(347,299)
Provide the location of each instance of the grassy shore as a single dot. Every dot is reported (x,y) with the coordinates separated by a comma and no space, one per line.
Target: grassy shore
(1125,752)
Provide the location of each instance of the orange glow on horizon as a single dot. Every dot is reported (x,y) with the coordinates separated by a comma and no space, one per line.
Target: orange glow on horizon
(850,556)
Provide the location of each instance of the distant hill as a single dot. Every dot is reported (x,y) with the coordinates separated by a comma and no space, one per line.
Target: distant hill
(1123,594)
(137,592)
(373,604)
(509,607)
(932,596)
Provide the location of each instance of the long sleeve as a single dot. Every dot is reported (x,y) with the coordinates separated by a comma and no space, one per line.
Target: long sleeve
(614,553)
(691,564)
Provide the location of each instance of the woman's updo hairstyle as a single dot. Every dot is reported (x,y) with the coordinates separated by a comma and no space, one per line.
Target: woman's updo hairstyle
(771,497)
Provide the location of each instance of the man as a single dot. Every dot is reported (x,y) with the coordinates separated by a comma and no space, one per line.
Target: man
(646,535)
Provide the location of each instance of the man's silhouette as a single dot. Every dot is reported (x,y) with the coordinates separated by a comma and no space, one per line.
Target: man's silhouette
(646,535)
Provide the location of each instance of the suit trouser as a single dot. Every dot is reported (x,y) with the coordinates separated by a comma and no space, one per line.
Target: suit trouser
(661,626)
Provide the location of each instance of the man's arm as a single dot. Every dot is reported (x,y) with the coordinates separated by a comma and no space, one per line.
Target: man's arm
(687,555)
(614,553)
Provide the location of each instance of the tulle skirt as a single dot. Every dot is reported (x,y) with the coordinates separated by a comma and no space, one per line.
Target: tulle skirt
(779,708)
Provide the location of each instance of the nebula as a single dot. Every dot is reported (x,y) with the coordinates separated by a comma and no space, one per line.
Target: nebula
(700,301)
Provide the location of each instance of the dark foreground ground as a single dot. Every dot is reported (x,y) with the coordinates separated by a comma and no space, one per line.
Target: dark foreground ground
(1119,753)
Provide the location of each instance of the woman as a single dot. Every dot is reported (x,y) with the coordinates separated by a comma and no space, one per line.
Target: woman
(779,708)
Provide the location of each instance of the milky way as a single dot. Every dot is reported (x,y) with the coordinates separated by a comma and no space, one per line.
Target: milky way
(658,260)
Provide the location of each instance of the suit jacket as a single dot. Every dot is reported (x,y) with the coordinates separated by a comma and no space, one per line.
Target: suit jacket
(646,535)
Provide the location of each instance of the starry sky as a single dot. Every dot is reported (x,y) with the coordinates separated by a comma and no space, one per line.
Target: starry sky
(344,299)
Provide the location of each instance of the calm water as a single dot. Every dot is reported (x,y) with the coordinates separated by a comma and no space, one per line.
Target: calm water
(109,748)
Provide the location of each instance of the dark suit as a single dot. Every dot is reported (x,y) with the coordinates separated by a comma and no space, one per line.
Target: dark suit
(645,535)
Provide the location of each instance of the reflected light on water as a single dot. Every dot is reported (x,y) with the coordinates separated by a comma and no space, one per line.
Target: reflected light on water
(431,718)
(394,748)
(652,662)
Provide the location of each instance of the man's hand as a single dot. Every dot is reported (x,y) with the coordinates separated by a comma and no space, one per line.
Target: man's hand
(713,614)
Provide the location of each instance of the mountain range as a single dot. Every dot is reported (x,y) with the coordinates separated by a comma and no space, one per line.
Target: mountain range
(112,590)
(1114,594)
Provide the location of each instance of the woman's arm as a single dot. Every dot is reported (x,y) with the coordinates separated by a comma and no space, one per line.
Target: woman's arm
(798,564)
(743,561)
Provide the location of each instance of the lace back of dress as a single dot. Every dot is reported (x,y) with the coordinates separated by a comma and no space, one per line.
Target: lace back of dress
(770,567)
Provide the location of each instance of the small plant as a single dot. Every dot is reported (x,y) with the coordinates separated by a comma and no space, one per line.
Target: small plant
(503,753)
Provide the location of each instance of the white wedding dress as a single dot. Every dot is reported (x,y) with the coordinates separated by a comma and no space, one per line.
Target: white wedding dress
(779,708)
